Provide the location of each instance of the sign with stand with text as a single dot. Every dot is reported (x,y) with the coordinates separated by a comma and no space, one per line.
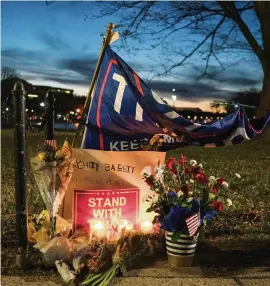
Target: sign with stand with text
(97,174)
(105,205)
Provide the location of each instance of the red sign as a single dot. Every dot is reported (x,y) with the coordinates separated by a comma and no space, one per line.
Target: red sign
(105,205)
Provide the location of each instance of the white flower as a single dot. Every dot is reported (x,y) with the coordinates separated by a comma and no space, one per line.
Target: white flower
(147,171)
(212,180)
(200,165)
(180,194)
(237,175)
(191,181)
(229,202)
(225,185)
(159,173)
(193,163)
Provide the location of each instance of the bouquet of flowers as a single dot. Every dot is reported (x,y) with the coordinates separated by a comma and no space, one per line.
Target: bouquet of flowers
(100,262)
(52,170)
(183,196)
(130,248)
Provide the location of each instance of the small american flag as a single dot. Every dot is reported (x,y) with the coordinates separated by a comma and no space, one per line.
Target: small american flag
(193,223)
(66,149)
(51,143)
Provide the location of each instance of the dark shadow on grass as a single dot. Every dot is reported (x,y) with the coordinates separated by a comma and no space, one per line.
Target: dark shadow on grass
(213,257)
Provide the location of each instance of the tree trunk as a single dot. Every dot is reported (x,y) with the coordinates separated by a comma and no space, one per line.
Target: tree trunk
(265,104)
(262,9)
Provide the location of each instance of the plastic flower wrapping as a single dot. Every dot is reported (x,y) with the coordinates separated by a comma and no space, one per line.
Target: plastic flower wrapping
(52,170)
(181,189)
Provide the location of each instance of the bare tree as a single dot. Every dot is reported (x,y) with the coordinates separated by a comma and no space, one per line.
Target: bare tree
(229,29)
(7,72)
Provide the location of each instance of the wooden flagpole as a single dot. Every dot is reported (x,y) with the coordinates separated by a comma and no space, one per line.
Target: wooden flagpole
(106,42)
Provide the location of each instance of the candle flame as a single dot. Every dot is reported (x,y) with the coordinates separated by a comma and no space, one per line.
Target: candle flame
(98,226)
(146,226)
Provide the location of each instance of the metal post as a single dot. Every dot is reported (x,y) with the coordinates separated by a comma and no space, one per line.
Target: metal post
(49,115)
(49,135)
(19,95)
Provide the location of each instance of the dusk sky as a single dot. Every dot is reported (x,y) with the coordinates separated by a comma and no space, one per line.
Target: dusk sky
(58,45)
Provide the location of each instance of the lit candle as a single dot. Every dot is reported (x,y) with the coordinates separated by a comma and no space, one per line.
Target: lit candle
(96,227)
(99,229)
(146,226)
(127,225)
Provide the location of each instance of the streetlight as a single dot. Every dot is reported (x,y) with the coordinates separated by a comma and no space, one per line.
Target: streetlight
(7,109)
(174,99)
(173,89)
(42,104)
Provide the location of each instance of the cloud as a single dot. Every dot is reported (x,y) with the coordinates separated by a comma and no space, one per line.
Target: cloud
(53,41)
(76,71)
(84,66)
(191,91)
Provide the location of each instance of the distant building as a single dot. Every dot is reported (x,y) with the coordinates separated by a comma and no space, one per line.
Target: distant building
(197,115)
(63,97)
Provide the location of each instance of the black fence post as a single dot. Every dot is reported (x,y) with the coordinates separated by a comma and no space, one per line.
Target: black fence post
(19,95)
(49,115)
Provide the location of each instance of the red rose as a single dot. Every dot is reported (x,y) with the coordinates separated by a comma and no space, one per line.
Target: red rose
(220,180)
(201,178)
(214,189)
(171,165)
(189,170)
(217,205)
(185,189)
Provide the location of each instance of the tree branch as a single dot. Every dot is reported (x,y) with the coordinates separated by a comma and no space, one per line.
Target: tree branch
(197,47)
(232,12)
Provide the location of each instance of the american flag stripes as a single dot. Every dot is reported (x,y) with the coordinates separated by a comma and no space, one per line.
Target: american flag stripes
(193,223)
(66,149)
(51,143)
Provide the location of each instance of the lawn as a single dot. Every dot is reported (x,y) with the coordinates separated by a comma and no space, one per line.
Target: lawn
(237,238)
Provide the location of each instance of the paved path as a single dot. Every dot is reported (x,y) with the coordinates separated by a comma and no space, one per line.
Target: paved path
(254,280)
(256,276)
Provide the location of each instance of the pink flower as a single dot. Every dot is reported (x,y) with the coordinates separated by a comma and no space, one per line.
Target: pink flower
(183,159)
(171,165)
(201,178)
(220,180)
(217,205)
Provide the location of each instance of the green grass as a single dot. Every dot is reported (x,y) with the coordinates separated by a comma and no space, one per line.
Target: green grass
(244,228)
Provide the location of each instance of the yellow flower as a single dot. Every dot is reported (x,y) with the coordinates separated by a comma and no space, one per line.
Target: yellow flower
(40,156)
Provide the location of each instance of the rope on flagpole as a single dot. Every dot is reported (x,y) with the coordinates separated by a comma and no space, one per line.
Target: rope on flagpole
(105,44)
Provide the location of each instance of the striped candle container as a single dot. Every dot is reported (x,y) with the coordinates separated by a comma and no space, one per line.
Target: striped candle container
(180,252)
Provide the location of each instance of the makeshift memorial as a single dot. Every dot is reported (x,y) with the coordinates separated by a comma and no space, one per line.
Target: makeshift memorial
(98,260)
(184,198)
(52,171)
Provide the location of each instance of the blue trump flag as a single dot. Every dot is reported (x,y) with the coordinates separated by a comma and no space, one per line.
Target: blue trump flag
(125,113)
